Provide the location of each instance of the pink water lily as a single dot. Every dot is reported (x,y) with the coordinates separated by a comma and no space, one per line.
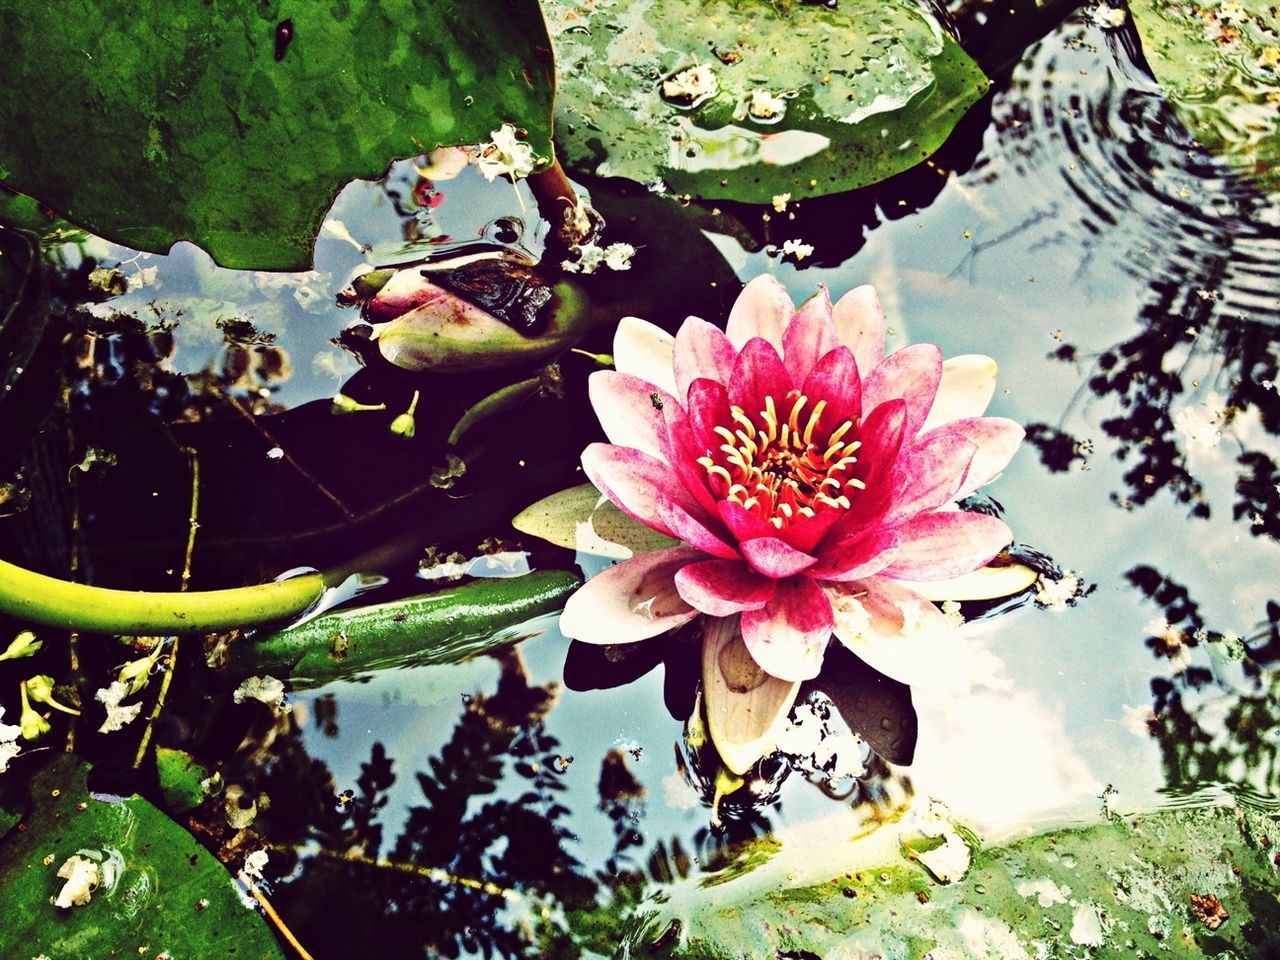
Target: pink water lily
(812,480)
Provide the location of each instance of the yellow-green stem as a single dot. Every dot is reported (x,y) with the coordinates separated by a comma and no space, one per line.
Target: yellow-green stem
(37,598)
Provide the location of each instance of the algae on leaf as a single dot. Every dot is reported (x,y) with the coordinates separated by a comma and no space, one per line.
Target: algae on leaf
(1219,64)
(234,123)
(747,99)
(158,891)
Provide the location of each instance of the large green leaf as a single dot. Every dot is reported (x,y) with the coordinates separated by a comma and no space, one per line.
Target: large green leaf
(156,122)
(1219,64)
(161,893)
(871,89)
(1120,889)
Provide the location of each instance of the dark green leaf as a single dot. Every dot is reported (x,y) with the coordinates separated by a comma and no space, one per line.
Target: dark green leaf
(167,121)
(869,90)
(161,892)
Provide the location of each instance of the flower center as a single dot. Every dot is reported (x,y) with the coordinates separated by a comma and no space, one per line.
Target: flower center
(781,470)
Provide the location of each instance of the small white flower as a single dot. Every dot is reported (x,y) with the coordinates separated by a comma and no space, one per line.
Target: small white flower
(82,878)
(694,84)
(617,256)
(275,453)
(1107,16)
(117,716)
(505,156)
(1056,594)
(764,105)
(796,249)
(268,690)
(780,202)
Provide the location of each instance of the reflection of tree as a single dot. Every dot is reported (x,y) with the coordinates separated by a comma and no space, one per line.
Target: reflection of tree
(468,866)
(1215,726)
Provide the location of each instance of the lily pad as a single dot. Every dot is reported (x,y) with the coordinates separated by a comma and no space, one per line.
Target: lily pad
(159,891)
(1219,64)
(1141,886)
(234,123)
(790,98)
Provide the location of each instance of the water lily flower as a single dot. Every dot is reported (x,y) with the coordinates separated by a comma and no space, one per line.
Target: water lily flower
(812,480)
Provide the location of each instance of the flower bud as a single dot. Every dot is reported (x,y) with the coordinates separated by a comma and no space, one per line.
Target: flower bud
(24,644)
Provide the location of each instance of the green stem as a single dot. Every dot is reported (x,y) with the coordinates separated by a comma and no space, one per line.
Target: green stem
(75,606)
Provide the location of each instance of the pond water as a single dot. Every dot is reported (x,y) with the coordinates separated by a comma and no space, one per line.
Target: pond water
(1125,281)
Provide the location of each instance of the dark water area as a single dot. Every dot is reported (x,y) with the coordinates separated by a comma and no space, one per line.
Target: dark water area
(1126,281)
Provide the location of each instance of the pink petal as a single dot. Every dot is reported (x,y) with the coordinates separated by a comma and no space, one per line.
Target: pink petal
(834,378)
(860,326)
(701,350)
(633,600)
(707,408)
(742,523)
(788,635)
(774,558)
(681,450)
(631,479)
(627,410)
(723,587)
(645,351)
(761,310)
(692,531)
(805,533)
(862,555)
(912,374)
(997,440)
(881,435)
(937,546)
(810,334)
(930,473)
(759,373)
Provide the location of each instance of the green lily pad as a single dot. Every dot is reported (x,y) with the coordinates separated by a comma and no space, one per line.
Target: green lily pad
(1219,64)
(160,892)
(1138,886)
(867,90)
(234,123)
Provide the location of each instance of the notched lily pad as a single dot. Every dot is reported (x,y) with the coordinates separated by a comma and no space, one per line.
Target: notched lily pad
(1219,64)
(746,99)
(198,124)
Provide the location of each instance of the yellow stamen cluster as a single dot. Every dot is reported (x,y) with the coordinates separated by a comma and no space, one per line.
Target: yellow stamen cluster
(778,468)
